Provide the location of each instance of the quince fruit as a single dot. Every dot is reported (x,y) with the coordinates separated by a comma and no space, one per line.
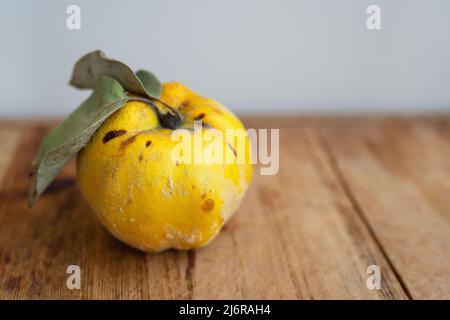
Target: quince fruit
(129,178)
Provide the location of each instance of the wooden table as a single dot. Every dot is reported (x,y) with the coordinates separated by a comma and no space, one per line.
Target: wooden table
(350,193)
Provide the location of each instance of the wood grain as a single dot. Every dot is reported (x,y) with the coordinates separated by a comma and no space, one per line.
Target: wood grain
(9,140)
(399,174)
(349,193)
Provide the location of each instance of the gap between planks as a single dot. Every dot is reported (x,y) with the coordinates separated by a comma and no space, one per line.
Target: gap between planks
(358,209)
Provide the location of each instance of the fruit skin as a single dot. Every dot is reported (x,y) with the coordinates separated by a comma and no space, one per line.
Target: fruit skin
(146,199)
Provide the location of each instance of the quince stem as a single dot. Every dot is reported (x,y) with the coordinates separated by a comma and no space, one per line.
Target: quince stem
(170,120)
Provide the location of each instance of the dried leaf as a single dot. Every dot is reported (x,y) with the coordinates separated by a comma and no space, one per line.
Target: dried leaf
(74,133)
(150,82)
(94,64)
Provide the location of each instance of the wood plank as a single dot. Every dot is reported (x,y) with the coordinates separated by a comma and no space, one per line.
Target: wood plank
(9,139)
(38,244)
(399,173)
(333,121)
(268,120)
(296,235)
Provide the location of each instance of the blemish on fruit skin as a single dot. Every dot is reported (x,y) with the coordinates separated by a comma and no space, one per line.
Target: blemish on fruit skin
(200,116)
(113,134)
(232,149)
(141,157)
(218,111)
(148,143)
(127,142)
(170,183)
(208,205)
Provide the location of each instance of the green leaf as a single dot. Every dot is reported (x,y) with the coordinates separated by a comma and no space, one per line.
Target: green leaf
(150,82)
(73,134)
(94,64)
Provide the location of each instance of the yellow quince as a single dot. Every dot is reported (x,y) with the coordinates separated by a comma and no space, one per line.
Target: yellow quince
(147,198)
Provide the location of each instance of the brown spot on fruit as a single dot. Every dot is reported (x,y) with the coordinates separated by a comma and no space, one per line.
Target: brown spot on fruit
(208,205)
(200,116)
(148,143)
(128,141)
(218,111)
(141,157)
(113,134)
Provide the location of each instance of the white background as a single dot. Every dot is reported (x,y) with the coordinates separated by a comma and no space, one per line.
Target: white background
(254,56)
